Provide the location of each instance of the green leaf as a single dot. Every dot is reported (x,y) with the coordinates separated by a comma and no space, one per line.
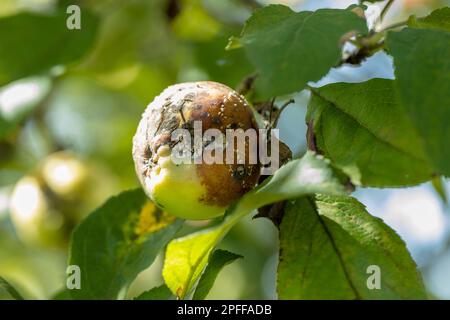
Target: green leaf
(6,286)
(289,49)
(327,245)
(438,19)
(439,186)
(218,260)
(422,70)
(157,293)
(63,295)
(116,242)
(363,129)
(51,41)
(187,257)
(227,67)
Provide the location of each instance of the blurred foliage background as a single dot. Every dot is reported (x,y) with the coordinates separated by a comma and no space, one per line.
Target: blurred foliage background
(66,128)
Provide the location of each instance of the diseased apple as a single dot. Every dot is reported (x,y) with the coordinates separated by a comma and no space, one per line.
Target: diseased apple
(199,189)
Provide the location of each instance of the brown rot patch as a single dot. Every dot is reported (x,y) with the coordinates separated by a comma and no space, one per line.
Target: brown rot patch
(226,183)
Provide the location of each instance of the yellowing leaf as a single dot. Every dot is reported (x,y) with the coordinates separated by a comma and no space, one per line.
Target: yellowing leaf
(109,252)
(151,219)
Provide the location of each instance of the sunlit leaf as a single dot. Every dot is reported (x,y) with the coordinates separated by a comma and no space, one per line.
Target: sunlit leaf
(187,257)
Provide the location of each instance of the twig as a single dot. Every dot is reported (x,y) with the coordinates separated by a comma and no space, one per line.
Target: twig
(272,102)
(395,25)
(247,84)
(280,110)
(360,55)
(385,10)
(311,137)
(173,9)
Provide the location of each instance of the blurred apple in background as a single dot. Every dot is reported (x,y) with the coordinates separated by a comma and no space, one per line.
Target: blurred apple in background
(64,174)
(31,213)
(45,206)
